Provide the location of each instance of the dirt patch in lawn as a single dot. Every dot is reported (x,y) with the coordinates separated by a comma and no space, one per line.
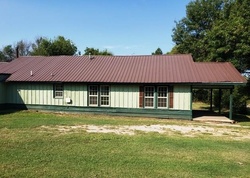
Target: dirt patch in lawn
(235,132)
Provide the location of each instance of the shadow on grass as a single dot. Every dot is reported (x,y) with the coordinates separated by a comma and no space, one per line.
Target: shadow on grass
(199,113)
(207,108)
(9,111)
(242,117)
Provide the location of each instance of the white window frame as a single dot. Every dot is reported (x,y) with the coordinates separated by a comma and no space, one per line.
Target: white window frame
(91,95)
(164,97)
(58,90)
(100,94)
(149,97)
(104,96)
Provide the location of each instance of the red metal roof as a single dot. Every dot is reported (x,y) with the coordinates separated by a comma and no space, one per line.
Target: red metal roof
(120,69)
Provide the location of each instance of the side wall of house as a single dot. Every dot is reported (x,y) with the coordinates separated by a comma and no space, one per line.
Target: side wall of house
(124,100)
(121,96)
(42,94)
(2,93)
(182,97)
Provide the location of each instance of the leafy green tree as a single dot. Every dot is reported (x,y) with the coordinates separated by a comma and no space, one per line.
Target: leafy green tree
(215,30)
(93,51)
(8,52)
(59,46)
(158,51)
(189,33)
(41,47)
(2,57)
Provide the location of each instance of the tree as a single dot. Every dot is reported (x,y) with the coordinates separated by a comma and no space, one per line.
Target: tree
(2,57)
(61,46)
(215,30)
(93,51)
(56,47)
(189,33)
(8,53)
(158,51)
(41,47)
(23,48)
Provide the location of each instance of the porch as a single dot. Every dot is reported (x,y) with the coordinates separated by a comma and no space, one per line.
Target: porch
(210,116)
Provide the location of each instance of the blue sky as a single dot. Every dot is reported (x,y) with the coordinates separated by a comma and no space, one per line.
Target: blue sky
(124,27)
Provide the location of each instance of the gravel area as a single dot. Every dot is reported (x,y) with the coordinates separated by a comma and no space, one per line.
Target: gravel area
(224,130)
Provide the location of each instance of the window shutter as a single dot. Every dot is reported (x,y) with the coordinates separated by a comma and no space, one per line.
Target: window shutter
(171,96)
(141,96)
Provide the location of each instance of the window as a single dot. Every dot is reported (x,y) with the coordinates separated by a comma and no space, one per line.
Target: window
(58,91)
(98,95)
(93,95)
(162,97)
(154,97)
(104,90)
(149,97)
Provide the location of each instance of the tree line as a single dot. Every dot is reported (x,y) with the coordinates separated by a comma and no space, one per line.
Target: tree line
(215,30)
(43,46)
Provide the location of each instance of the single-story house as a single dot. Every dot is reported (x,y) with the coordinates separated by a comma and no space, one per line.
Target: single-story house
(158,85)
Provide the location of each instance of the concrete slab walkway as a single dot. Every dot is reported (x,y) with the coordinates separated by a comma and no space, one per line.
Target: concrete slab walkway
(220,119)
(207,116)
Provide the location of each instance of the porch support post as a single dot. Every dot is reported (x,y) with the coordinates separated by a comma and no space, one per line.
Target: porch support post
(220,93)
(231,105)
(211,99)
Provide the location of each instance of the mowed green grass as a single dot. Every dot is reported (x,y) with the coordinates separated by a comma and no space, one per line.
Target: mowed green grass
(26,150)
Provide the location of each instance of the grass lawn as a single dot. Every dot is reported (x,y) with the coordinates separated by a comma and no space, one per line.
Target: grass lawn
(28,150)
(200,106)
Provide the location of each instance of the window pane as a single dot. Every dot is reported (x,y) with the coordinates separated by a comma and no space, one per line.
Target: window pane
(93,95)
(149,102)
(162,91)
(162,97)
(58,90)
(104,90)
(149,91)
(162,102)
(93,90)
(58,93)
(93,100)
(104,101)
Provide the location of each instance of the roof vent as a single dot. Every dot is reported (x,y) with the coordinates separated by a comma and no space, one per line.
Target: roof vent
(31,73)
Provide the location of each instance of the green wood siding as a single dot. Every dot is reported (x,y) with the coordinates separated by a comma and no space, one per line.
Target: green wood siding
(182,97)
(124,96)
(77,93)
(2,93)
(156,113)
(121,96)
(42,94)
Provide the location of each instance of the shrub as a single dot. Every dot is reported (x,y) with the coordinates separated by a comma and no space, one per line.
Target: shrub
(201,95)
(240,96)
